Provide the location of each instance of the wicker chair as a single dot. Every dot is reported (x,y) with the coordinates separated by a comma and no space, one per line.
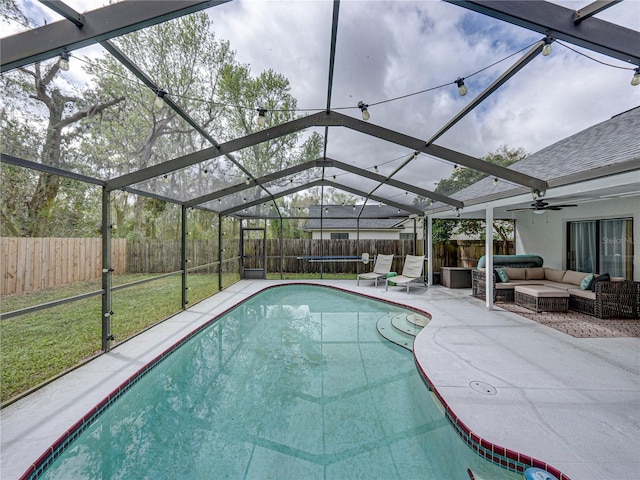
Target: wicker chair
(613,299)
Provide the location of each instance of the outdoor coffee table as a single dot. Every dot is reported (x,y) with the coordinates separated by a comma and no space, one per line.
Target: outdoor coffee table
(542,299)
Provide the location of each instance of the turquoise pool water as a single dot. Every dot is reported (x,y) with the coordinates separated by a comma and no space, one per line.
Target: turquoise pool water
(294,383)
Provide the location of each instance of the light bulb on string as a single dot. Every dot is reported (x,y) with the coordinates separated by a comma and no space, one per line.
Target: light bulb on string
(462,88)
(159,101)
(365,113)
(262,119)
(64,61)
(546,50)
(635,81)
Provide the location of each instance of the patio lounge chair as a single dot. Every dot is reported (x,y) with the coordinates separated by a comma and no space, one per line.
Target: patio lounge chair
(380,269)
(411,272)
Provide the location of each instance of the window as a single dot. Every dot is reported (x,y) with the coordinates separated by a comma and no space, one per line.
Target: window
(406,236)
(601,246)
(339,236)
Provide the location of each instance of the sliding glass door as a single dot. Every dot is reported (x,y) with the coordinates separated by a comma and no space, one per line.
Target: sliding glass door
(616,248)
(582,246)
(601,246)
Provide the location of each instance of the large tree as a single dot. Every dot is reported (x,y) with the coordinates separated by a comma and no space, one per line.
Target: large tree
(461,178)
(40,122)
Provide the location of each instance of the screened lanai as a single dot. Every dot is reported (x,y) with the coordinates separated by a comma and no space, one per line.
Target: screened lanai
(198,131)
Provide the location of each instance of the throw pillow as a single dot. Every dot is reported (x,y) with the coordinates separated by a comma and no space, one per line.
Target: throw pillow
(516,273)
(502,275)
(586,282)
(496,276)
(605,277)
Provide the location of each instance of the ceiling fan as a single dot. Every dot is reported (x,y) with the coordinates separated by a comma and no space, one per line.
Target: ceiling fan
(539,206)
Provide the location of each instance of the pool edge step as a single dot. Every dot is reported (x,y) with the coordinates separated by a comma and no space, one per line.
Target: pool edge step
(388,331)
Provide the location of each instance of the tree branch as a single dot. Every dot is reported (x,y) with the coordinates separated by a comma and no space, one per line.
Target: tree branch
(85,113)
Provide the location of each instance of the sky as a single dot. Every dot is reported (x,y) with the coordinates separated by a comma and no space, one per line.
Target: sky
(391,49)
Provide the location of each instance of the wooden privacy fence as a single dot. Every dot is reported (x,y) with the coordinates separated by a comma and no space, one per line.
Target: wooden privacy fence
(30,264)
(292,249)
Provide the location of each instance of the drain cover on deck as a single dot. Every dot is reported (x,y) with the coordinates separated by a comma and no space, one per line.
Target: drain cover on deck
(483,387)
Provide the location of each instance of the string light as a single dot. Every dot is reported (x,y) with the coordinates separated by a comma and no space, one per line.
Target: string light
(262,119)
(462,88)
(546,50)
(64,61)
(159,101)
(495,181)
(375,169)
(635,81)
(248,181)
(363,108)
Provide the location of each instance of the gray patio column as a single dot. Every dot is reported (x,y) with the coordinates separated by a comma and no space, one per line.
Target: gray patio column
(488,250)
(429,237)
(107,337)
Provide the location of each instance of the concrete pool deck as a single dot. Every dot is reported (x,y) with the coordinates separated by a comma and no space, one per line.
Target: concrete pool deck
(571,402)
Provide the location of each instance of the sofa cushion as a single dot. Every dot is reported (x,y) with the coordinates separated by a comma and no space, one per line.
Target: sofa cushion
(515,283)
(516,273)
(559,285)
(586,282)
(573,277)
(502,275)
(605,277)
(582,293)
(535,273)
(553,275)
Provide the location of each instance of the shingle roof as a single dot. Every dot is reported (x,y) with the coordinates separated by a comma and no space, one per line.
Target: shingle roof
(613,141)
(344,217)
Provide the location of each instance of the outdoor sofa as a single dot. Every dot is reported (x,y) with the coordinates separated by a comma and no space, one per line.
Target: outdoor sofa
(605,297)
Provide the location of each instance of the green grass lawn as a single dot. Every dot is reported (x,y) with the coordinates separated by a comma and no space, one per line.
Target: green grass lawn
(38,346)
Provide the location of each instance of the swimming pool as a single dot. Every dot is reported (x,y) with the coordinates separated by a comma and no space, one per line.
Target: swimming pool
(295,382)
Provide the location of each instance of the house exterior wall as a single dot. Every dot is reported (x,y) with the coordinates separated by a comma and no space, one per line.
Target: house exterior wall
(536,234)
